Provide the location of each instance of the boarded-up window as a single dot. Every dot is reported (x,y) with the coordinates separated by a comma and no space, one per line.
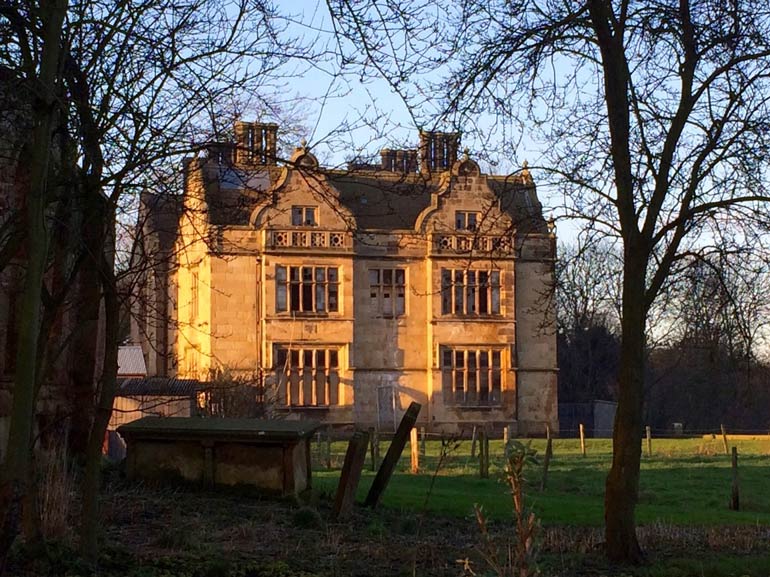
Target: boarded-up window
(387,291)
(306,376)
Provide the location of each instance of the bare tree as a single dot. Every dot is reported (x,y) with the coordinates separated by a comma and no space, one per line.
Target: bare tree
(588,299)
(656,116)
(134,85)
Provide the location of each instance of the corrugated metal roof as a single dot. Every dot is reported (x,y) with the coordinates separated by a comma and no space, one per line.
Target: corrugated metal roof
(131,361)
(158,386)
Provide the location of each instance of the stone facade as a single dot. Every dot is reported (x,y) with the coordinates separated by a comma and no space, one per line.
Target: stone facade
(356,292)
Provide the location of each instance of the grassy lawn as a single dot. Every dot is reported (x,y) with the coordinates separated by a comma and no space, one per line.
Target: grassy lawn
(685,482)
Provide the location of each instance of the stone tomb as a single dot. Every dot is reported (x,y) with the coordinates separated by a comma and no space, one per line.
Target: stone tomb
(270,455)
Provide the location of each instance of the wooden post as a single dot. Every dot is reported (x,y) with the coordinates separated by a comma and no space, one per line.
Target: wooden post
(413,445)
(735,494)
(351,474)
(724,440)
(649,440)
(506,435)
(393,455)
(473,442)
(483,455)
(582,439)
(328,455)
(546,458)
(374,439)
(423,441)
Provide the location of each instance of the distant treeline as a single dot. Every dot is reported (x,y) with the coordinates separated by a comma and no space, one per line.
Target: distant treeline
(706,354)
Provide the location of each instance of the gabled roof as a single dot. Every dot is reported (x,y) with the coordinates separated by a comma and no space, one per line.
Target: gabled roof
(131,361)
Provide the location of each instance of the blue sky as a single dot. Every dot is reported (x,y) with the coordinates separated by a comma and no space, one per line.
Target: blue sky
(335,110)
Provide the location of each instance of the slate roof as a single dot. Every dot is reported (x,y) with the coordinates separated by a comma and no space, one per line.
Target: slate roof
(384,201)
(158,387)
(233,193)
(187,427)
(377,199)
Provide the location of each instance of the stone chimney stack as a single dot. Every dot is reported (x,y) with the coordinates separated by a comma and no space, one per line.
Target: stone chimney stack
(402,161)
(387,159)
(438,150)
(255,142)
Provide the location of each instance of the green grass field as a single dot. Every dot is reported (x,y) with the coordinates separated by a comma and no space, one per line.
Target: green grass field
(685,482)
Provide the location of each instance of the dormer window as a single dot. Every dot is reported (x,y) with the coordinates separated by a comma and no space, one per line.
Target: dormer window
(465,220)
(303,216)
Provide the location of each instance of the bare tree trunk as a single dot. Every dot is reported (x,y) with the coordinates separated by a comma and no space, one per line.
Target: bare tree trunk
(16,469)
(103,410)
(622,486)
(88,302)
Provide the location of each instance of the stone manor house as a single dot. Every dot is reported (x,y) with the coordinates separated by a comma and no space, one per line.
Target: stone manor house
(354,292)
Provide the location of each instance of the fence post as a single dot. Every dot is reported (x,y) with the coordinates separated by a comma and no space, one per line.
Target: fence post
(483,454)
(506,435)
(724,440)
(582,439)
(547,457)
(415,449)
(473,442)
(328,448)
(649,440)
(735,494)
(423,441)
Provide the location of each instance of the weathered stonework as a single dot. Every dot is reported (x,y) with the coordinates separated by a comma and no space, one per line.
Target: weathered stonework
(428,284)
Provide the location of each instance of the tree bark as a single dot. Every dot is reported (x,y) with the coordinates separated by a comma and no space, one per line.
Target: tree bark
(88,302)
(103,410)
(15,471)
(622,486)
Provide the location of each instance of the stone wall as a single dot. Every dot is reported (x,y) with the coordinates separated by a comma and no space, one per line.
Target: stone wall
(385,360)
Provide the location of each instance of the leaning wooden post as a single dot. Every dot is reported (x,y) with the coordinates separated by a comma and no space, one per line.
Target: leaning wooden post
(547,457)
(735,494)
(473,442)
(724,440)
(413,445)
(351,474)
(423,441)
(393,455)
(328,455)
(649,440)
(582,439)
